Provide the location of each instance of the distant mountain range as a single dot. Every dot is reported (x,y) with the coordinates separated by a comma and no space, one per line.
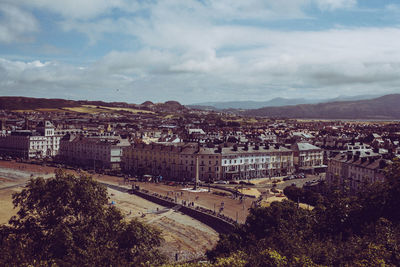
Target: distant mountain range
(384,107)
(276,102)
(380,108)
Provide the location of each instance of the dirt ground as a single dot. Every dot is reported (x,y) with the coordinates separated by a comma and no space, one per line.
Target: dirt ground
(182,234)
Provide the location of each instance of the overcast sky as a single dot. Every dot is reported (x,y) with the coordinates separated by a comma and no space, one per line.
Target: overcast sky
(196,51)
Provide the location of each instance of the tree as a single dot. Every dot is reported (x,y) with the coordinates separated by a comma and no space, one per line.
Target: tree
(66,220)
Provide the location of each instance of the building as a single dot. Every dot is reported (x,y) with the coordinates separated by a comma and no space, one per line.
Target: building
(43,142)
(256,161)
(354,171)
(94,152)
(308,158)
(178,162)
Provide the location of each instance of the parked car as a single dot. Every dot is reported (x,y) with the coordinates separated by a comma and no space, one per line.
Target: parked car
(221,182)
(245,183)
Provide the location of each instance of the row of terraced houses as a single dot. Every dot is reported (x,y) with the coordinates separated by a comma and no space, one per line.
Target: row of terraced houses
(179,161)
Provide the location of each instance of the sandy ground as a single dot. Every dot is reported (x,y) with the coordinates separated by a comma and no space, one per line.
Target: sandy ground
(182,234)
(6,206)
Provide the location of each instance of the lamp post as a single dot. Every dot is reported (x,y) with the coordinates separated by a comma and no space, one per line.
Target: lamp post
(196,182)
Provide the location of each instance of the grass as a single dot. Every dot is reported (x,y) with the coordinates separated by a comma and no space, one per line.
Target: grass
(132,110)
(50,110)
(85,109)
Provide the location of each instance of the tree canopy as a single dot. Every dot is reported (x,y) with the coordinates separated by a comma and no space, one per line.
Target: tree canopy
(341,230)
(67,221)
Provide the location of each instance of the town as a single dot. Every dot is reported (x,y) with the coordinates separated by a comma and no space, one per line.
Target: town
(170,142)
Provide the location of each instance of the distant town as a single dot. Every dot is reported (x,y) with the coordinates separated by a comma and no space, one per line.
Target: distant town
(171,142)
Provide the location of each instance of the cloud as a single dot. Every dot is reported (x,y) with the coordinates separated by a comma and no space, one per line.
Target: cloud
(78,9)
(194,51)
(16,24)
(392,8)
(290,64)
(335,4)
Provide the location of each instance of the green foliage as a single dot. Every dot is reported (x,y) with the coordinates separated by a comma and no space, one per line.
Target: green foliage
(298,194)
(67,221)
(341,230)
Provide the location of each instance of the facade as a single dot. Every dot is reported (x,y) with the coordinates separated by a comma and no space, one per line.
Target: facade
(307,157)
(94,152)
(354,172)
(43,142)
(178,162)
(175,162)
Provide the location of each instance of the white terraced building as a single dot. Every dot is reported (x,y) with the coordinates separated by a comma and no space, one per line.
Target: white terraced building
(256,162)
(31,144)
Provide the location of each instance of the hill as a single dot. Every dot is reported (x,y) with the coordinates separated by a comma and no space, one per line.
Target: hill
(385,107)
(19,103)
(25,103)
(30,103)
(275,102)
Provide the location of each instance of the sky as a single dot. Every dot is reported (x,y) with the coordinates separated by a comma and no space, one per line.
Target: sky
(196,51)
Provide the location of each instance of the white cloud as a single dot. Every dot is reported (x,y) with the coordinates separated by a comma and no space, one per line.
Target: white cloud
(290,64)
(15,24)
(192,50)
(335,4)
(392,8)
(78,9)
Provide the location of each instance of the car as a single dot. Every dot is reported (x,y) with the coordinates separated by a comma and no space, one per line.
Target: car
(274,190)
(220,182)
(245,183)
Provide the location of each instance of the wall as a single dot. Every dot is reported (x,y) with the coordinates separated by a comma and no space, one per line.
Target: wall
(217,223)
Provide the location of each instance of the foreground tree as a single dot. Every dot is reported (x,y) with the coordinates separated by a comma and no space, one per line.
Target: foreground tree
(67,221)
(341,229)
